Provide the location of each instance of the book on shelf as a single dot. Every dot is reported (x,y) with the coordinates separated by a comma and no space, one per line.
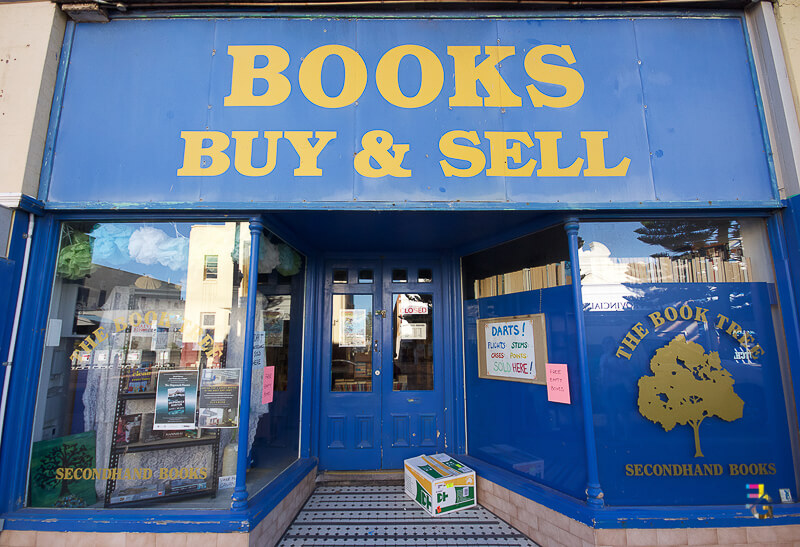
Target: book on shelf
(128,429)
(526,279)
(660,269)
(147,434)
(138,380)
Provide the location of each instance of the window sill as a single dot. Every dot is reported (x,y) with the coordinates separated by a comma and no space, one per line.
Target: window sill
(162,519)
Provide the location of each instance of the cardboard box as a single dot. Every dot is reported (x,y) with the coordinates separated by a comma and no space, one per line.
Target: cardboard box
(439,483)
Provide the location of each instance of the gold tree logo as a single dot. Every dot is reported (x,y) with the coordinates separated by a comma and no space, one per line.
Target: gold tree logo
(687,386)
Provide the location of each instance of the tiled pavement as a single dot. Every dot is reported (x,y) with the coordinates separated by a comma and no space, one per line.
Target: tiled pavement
(346,516)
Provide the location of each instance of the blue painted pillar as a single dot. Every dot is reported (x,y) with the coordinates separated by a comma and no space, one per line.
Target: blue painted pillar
(779,238)
(240,492)
(594,494)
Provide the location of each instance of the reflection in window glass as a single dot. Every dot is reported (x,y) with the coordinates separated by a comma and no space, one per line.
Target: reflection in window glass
(365,276)
(274,426)
(400,276)
(681,327)
(425,275)
(413,342)
(136,343)
(667,251)
(351,342)
(340,276)
(210,268)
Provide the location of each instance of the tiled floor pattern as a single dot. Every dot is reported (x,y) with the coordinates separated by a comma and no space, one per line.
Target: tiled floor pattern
(350,516)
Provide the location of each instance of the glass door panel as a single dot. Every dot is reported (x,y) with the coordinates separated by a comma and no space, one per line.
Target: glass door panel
(351,342)
(413,342)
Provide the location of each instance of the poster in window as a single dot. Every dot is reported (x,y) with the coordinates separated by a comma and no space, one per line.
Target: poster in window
(50,486)
(176,399)
(273,326)
(219,398)
(352,328)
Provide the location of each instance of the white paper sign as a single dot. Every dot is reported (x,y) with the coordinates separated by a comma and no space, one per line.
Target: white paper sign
(409,307)
(413,331)
(509,350)
(352,328)
(259,355)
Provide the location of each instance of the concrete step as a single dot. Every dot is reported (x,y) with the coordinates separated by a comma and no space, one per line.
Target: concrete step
(358,478)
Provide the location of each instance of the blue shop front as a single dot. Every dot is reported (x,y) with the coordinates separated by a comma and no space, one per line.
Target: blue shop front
(550,244)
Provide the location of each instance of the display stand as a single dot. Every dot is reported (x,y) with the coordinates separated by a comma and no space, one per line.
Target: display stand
(170,491)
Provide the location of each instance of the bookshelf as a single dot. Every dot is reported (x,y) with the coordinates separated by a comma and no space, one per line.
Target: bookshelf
(526,279)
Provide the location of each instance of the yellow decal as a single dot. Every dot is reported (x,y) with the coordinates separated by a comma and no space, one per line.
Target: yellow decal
(260,77)
(687,386)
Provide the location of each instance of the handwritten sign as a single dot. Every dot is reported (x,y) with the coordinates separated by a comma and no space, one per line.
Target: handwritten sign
(267,390)
(557,383)
(509,350)
(259,356)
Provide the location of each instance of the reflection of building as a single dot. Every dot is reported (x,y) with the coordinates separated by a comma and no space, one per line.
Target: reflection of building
(214,285)
(111,300)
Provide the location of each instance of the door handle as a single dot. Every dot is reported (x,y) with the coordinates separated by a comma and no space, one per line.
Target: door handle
(382,313)
(375,347)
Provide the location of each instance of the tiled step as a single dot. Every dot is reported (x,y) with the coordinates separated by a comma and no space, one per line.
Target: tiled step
(353,515)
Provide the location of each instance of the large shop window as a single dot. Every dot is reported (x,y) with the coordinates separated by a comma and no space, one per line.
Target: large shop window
(686,358)
(139,392)
(510,421)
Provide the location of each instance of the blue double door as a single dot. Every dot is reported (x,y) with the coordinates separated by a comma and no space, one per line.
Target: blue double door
(382,395)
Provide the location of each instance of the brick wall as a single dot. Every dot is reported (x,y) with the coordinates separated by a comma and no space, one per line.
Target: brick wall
(550,528)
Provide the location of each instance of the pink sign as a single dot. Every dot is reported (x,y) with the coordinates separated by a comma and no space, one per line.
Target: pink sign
(557,383)
(269,385)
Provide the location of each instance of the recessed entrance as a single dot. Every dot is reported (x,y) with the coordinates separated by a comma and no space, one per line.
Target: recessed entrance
(382,368)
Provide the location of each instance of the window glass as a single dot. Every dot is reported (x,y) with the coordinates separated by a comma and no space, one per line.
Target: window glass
(140,385)
(275,425)
(413,342)
(400,276)
(541,440)
(210,269)
(340,276)
(365,276)
(685,354)
(351,342)
(533,262)
(425,275)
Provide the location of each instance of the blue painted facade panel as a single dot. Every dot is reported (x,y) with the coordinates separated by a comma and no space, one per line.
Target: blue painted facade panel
(705,141)
(686,118)
(612,102)
(714,467)
(791,225)
(120,142)
(512,425)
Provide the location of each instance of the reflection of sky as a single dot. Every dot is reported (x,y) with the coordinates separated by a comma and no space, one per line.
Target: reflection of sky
(619,237)
(159,250)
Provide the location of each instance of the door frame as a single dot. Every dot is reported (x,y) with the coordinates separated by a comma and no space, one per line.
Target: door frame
(449,351)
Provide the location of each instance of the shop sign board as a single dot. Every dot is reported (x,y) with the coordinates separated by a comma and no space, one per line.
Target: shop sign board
(398,113)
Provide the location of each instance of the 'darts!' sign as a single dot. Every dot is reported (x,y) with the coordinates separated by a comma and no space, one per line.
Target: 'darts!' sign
(509,350)
(396,111)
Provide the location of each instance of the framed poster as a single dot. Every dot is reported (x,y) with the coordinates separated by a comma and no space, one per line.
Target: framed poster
(513,349)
